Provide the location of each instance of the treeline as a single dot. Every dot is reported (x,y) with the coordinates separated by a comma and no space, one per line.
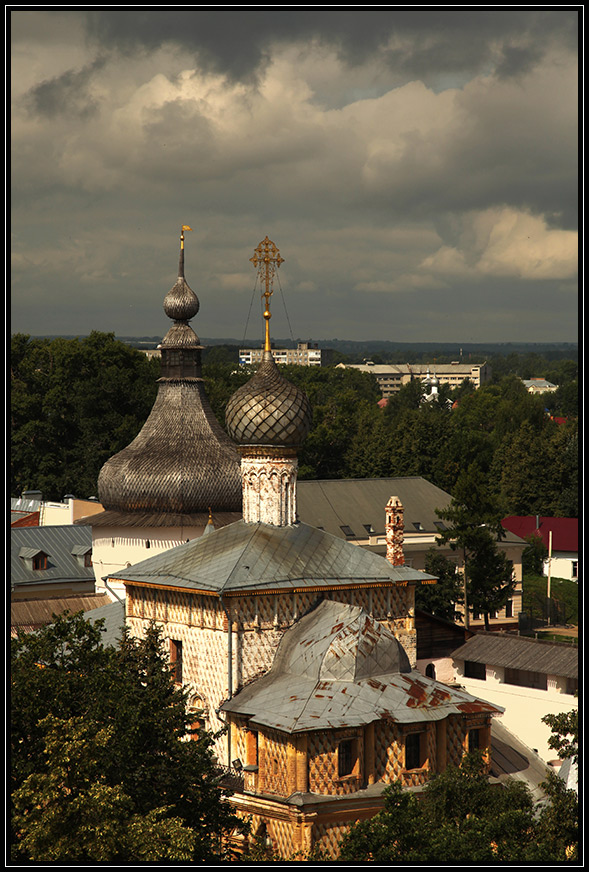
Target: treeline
(76,402)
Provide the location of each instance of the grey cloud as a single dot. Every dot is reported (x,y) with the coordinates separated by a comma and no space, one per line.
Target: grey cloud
(67,94)
(433,42)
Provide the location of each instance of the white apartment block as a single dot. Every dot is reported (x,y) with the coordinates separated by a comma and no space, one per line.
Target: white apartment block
(391,377)
(305,354)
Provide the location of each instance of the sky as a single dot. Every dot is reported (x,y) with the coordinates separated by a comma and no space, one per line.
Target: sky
(417,169)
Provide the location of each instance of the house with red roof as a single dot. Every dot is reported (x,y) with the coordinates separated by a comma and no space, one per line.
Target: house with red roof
(559,535)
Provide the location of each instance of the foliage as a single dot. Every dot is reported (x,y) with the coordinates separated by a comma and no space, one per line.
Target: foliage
(565,734)
(75,403)
(443,597)
(460,819)
(534,555)
(565,591)
(474,529)
(97,734)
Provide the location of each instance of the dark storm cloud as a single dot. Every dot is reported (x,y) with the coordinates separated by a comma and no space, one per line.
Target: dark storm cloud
(66,94)
(236,42)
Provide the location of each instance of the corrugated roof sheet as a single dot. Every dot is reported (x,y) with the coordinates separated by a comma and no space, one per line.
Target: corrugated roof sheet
(256,556)
(55,541)
(520,652)
(337,667)
(30,614)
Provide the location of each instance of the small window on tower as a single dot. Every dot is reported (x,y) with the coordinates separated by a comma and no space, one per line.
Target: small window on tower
(347,531)
(369,528)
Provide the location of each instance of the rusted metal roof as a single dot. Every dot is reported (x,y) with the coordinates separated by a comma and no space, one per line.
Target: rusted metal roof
(338,667)
(29,615)
(520,652)
(246,557)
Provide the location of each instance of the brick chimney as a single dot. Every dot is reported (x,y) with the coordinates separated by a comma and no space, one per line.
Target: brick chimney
(394,531)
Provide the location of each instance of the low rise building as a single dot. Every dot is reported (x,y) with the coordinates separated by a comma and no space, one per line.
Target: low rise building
(51,561)
(392,377)
(351,509)
(560,537)
(539,386)
(528,678)
(305,354)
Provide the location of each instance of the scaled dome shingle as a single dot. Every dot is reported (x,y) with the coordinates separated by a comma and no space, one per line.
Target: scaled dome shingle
(268,409)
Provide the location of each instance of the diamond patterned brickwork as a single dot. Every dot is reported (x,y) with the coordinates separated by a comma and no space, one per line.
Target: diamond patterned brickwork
(257,651)
(322,756)
(328,837)
(283,834)
(455,740)
(273,769)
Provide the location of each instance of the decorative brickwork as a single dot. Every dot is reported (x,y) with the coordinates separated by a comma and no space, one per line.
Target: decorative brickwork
(273,768)
(269,486)
(323,762)
(394,527)
(327,837)
(455,740)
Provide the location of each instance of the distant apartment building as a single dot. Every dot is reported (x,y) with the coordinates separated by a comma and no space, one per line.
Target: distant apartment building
(539,386)
(391,377)
(305,354)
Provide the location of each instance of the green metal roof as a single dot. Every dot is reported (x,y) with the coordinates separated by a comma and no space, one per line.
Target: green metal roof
(248,557)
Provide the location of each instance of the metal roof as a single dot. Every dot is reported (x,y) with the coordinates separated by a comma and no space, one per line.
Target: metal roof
(249,557)
(28,615)
(55,541)
(113,615)
(338,667)
(355,502)
(520,652)
(157,519)
(565,531)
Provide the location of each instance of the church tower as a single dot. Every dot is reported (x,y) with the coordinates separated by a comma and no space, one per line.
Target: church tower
(268,418)
(157,491)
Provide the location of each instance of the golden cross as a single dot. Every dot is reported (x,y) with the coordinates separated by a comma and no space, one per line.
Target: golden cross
(267,260)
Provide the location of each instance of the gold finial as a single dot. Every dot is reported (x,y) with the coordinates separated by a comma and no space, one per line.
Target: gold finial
(267,259)
(184,227)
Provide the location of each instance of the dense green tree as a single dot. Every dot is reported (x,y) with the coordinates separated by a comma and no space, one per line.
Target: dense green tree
(474,527)
(121,713)
(74,403)
(460,819)
(443,597)
(534,555)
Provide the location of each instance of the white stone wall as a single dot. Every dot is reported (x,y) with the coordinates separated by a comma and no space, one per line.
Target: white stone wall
(524,706)
(116,548)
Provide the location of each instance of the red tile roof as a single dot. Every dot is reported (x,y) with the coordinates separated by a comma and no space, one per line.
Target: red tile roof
(565,531)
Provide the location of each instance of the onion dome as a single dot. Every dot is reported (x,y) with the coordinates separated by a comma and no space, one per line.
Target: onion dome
(182,461)
(268,409)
